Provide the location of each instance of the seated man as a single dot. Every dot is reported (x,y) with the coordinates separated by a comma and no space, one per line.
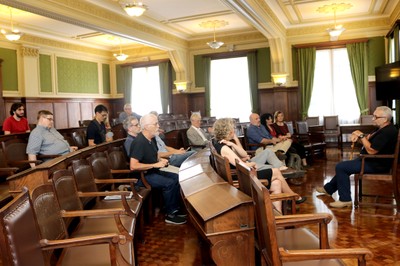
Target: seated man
(144,156)
(175,157)
(128,112)
(258,134)
(195,134)
(96,131)
(45,139)
(16,123)
(132,127)
(382,141)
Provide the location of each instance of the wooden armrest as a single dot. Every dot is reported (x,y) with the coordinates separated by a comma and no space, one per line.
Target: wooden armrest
(82,241)
(361,254)
(22,162)
(302,219)
(284,196)
(103,193)
(265,182)
(9,169)
(121,171)
(376,156)
(112,181)
(87,213)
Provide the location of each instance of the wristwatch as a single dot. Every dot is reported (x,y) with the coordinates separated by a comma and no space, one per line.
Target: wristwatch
(361,136)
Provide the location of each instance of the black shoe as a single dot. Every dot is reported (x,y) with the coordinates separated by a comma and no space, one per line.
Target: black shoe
(180,213)
(174,219)
(303,199)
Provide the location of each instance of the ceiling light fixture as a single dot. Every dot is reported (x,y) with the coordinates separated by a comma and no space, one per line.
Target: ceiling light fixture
(134,9)
(14,34)
(214,24)
(336,30)
(121,56)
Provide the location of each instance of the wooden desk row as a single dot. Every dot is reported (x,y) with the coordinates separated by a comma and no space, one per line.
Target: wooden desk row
(34,177)
(222,215)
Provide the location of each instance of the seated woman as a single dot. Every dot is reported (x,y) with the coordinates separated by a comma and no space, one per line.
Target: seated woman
(228,145)
(282,132)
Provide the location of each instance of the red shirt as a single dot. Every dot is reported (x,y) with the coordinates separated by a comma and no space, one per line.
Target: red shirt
(14,126)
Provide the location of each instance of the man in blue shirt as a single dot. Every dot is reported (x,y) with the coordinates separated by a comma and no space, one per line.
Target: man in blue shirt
(258,134)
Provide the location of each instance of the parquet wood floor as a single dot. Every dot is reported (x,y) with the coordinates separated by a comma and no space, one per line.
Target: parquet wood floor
(177,244)
(370,227)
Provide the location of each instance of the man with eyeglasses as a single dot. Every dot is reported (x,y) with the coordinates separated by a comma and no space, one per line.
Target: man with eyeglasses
(96,130)
(381,141)
(16,123)
(132,127)
(45,139)
(144,156)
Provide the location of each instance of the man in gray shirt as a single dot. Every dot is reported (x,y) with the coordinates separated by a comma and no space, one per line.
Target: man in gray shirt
(45,139)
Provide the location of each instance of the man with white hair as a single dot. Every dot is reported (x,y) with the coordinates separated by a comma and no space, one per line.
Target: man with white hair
(127,112)
(195,134)
(381,141)
(144,156)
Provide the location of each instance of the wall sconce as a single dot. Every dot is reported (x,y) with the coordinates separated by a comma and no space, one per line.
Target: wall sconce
(181,86)
(279,78)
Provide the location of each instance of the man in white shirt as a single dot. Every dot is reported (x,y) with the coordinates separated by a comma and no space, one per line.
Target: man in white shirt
(195,134)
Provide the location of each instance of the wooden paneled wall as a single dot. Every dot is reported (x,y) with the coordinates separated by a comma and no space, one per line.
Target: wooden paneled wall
(67,111)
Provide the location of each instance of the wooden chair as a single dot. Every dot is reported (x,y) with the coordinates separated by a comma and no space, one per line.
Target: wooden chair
(21,244)
(390,177)
(331,128)
(243,175)
(14,151)
(79,138)
(312,120)
(52,228)
(223,168)
(278,247)
(84,123)
(250,147)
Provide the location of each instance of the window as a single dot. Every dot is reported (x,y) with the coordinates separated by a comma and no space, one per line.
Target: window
(146,96)
(333,92)
(229,88)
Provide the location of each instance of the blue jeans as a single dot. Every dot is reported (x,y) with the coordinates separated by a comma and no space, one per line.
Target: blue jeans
(178,159)
(169,184)
(341,181)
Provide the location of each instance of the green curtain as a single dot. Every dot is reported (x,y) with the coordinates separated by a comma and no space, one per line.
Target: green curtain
(127,83)
(306,58)
(252,68)
(358,57)
(207,66)
(165,81)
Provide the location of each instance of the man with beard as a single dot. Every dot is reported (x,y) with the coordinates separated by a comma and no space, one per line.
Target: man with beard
(144,156)
(16,123)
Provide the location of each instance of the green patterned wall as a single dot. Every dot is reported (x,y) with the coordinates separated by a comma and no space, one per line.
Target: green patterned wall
(45,73)
(106,79)
(9,69)
(77,76)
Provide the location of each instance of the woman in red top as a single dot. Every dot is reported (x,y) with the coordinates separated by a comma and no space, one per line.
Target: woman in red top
(282,131)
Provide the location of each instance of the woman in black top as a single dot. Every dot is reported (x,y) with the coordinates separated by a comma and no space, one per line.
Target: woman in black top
(228,145)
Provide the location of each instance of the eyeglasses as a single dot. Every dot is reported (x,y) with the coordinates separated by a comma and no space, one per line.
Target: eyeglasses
(50,119)
(377,117)
(135,125)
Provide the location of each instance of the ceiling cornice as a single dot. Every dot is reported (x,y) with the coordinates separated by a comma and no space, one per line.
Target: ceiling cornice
(84,14)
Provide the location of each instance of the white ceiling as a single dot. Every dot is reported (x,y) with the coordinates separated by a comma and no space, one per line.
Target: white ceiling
(182,18)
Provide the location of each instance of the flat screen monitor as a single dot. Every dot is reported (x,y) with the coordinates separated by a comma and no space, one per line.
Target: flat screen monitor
(387,79)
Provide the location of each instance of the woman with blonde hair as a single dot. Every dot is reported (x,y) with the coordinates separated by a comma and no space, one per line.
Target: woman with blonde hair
(227,144)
